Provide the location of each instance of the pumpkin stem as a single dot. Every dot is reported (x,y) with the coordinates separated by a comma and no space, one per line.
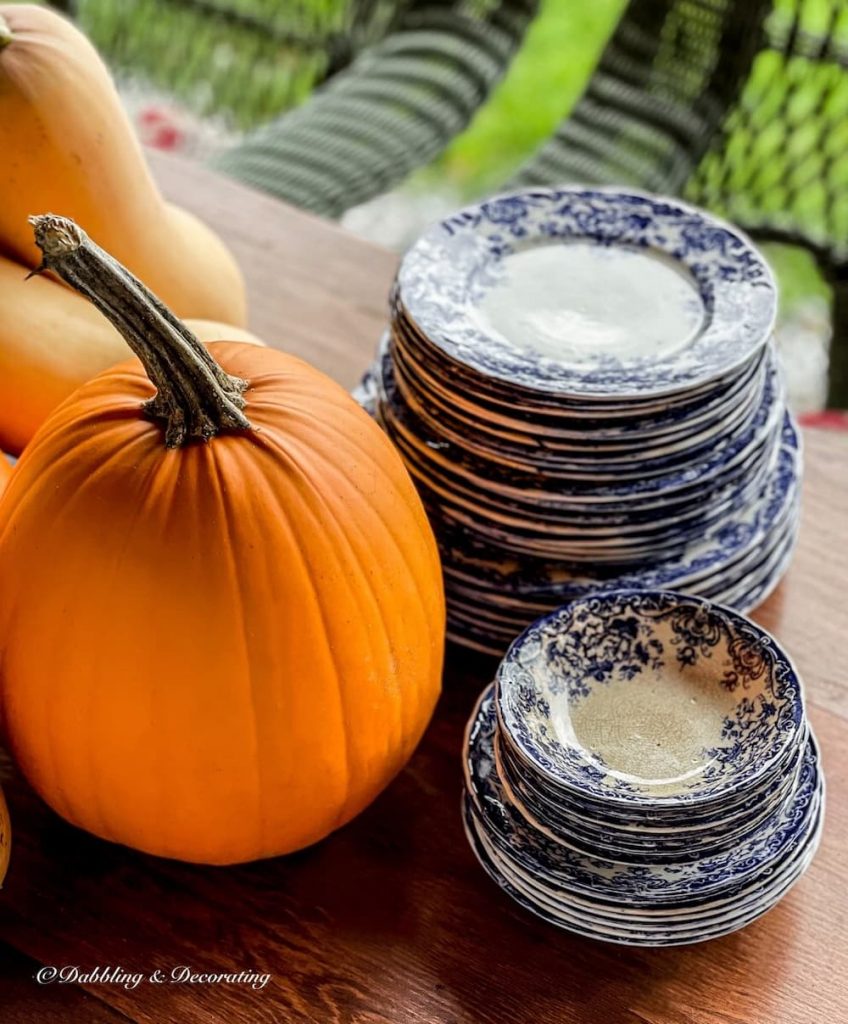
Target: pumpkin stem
(5,32)
(195,397)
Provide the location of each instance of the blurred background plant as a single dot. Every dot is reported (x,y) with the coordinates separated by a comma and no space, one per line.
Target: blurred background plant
(264,57)
(197,74)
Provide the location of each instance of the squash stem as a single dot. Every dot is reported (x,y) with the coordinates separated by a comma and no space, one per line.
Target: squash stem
(195,397)
(5,32)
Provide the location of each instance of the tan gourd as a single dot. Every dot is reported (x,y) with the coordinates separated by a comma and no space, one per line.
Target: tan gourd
(68,146)
(51,341)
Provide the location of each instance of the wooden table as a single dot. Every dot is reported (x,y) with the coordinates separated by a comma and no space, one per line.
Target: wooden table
(391,920)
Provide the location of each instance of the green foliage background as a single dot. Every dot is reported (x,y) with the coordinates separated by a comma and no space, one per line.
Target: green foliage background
(243,76)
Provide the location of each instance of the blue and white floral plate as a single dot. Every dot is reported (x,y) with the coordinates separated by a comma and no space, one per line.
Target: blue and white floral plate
(738,561)
(634,885)
(622,518)
(582,385)
(716,543)
(559,457)
(700,910)
(561,423)
(610,483)
(649,698)
(652,900)
(733,915)
(410,347)
(589,292)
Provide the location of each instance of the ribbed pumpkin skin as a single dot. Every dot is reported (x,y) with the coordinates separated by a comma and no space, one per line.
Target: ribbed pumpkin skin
(225,651)
(5,838)
(51,341)
(68,148)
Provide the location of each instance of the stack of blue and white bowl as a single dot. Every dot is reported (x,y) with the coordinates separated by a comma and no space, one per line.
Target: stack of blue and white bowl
(642,770)
(583,386)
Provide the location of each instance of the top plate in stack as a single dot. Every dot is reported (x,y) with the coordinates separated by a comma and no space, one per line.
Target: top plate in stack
(581,382)
(578,297)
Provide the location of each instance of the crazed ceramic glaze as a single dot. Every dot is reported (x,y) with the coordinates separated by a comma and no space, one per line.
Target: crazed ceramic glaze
(651,825)
(574,303)
(651,697)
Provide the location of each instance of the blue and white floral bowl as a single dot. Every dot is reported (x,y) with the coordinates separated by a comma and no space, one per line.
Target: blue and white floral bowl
(642,771)
(649,698)
(647,841)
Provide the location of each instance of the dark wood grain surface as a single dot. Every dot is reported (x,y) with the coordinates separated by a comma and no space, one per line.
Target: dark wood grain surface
(391,920)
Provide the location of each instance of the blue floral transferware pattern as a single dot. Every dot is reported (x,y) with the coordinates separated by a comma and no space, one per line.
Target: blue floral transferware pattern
(652,647)
(630,884)
(620,927)
(572,420)
(623,488)
(743,530)
(447,274)
(657,828)
(631,846)
(644,453)
(702,908)
(739,582)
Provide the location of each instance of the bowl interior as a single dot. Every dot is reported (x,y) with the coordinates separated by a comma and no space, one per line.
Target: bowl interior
(648,696)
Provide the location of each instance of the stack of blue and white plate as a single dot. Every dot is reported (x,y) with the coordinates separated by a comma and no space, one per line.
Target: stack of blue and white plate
(642,770)
(583,386)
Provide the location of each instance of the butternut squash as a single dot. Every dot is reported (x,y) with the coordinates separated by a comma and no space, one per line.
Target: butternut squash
(51,341)
(67,145)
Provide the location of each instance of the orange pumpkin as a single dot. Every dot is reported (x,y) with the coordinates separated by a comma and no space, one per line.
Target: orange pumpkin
(210,651)
(67,145)
(5,838)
